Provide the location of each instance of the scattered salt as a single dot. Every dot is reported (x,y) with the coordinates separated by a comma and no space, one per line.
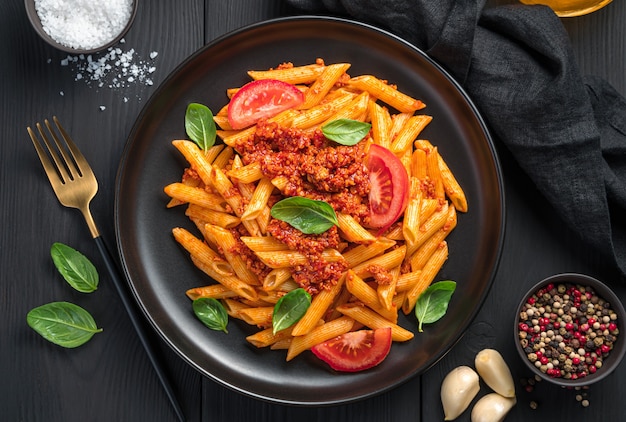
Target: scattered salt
(114,69)
(84,24)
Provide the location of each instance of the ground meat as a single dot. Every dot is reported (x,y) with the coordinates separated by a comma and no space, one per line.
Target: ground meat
(382,276)
(191,177)
(308,244)
(318,275)
(313,166)
(252,261)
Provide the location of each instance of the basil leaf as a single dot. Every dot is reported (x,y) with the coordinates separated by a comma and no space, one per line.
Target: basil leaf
(63,323)
(75,268)
(433,303)
(200,126)
(307,215)
(346,131)
(211,312)
(290,308)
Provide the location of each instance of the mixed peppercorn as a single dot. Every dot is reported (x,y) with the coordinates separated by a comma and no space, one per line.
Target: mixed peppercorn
(567,330)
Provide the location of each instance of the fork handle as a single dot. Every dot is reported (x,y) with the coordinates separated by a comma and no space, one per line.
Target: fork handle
(139,325)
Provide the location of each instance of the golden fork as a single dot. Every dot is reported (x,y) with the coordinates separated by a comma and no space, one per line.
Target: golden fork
(75,185)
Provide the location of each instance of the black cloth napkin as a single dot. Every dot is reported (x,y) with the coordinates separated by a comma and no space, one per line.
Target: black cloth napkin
(568,133)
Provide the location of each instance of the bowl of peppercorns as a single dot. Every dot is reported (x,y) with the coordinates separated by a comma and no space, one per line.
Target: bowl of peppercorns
(568,330)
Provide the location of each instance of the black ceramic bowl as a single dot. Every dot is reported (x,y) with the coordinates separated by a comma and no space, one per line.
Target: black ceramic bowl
(570,351)
(35,20)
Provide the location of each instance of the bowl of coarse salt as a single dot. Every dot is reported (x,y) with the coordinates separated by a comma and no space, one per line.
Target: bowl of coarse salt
(81,26)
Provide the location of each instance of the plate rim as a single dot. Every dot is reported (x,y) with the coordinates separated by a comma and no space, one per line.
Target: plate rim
(340,21)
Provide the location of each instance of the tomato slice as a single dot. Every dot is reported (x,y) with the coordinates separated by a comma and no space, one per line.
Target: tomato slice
(261,99)
(389,187)
(356,350)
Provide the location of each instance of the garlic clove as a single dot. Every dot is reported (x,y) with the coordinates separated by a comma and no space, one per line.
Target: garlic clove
(494,371)
(492,408)
(458,389)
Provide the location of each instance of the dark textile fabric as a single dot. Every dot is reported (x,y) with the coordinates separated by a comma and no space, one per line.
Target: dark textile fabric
(567,132)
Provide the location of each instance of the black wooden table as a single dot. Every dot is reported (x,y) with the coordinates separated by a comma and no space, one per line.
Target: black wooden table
(110,379)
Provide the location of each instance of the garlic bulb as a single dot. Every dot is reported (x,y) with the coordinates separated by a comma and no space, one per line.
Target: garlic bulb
(458,389)
(495,372)
(492,408)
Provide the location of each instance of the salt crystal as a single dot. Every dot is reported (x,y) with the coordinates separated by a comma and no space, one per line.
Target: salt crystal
(83,24)
(62,93)
(102,108)
(153,55)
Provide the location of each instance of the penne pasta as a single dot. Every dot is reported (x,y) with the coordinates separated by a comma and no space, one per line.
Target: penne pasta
(247,174)
(386,93)
(381,124)
(427,275)
(363,253)
(356,277)
(323,84)
(322,112)
(266,337)
(352,230)
(319,305)
(227,242)
(318,335)
(195,195)
(405,137)
(259,199)
(386,292)
(371,319)
(369,296)
(216,291)
(207,215)
(292,75)
(289,258)
(386,261)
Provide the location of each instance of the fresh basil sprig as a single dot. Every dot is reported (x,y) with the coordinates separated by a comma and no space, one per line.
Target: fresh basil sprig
(290,308)
(307,215)
(200,126)
(75,268)
(433,303)
(346,131)
(63,323)
(212,313)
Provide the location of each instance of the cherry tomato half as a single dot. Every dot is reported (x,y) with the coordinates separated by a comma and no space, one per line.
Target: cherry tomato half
(261,99)
(389,190)
(356,350)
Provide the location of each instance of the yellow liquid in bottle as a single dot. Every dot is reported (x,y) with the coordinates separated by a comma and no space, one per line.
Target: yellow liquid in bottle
(570,8)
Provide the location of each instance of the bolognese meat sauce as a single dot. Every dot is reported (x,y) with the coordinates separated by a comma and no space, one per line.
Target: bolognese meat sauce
(314,168)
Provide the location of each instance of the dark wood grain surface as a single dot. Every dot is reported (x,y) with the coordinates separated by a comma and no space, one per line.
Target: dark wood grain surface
(110,378)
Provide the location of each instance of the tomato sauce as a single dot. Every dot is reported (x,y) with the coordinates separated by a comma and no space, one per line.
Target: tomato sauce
(316,169)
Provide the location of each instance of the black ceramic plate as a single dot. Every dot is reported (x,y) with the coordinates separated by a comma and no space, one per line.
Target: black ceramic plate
(159,271)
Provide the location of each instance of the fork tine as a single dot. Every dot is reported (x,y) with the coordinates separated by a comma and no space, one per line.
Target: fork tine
(48,166)
(68,161)
(78,158)
(60,166)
